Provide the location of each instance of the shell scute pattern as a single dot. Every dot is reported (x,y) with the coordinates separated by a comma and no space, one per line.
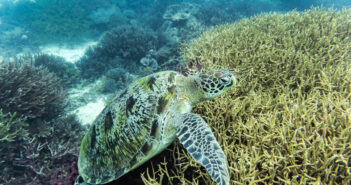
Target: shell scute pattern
(127,130)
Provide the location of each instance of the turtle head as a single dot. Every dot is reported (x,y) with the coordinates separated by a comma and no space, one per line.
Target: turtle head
(215,82)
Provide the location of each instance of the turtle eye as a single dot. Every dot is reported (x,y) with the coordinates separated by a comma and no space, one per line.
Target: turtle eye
(224,80)
(218,75)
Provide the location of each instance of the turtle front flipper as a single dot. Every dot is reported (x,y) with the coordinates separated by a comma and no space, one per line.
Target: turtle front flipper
(199,141)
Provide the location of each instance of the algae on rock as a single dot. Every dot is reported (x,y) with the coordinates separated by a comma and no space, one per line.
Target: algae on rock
(289,119)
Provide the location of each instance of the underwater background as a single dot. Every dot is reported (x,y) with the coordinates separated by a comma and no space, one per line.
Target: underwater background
(287,122)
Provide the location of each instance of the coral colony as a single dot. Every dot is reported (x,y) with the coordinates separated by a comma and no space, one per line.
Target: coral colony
(285,122)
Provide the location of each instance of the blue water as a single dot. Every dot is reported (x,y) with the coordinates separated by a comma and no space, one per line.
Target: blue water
(133,39)
(27,24)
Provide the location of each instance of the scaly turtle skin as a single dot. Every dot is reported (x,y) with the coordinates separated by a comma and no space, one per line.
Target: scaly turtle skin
(146,118)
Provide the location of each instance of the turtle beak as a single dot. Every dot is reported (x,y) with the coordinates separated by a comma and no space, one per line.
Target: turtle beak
(234,80)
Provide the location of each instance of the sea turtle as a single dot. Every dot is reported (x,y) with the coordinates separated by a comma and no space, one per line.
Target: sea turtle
(146,118)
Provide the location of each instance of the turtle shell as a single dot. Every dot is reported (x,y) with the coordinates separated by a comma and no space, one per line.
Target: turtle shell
(127,132)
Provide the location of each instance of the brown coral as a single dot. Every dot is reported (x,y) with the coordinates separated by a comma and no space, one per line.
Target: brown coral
(30,91)
(288,120)
(42,153)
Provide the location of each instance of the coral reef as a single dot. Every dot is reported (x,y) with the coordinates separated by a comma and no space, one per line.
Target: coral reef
(38,144)
(12,129)
(186,21)
(181,23)
(179,12)
(66,71)
(114,80)
(46,153)
(123,47)
(287,121)
(106,18)
(150,62)
(30,91)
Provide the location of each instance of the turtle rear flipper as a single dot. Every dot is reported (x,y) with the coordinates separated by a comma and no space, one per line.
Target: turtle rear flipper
(79,181)
(199,141)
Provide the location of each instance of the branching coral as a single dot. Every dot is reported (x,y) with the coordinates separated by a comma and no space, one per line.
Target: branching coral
(46,154)
(52,153)
(35,151)
(12,129)
(30,91)
(288,120)
(66,71)
(123,46)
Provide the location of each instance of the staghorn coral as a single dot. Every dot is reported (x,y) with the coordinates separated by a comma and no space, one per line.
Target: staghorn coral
(66,71)
(30,91)
(46,153)
(123,46)
(59,141)
(12,129)
(288,121)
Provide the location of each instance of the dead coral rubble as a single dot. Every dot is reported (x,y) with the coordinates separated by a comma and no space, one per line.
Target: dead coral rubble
(288,120)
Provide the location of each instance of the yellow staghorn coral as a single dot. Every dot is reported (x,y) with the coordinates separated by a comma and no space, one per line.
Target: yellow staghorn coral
(289,119)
